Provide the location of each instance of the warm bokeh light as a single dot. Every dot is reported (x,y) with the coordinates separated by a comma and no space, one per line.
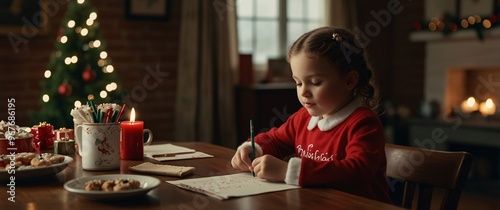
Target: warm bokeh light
(111,86)
(64,39)
(101,63)
(109,69)
(78,104)
(89,22)
(84,32)
(477,18)
(47,73)
(486,23)
(432,26)
(45,98)
(96,43)
(74,59)
(440,25)
(103,55)
(464,23)
(71,24)
(67,60)
(471,20)
(93,16)
(103,94)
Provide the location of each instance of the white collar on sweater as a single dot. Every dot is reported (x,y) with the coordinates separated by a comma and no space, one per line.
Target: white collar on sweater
(332,121)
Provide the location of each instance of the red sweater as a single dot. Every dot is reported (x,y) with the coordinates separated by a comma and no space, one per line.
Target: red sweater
(349,157)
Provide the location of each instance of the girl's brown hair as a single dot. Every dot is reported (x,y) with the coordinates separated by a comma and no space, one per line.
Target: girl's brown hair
(341,48)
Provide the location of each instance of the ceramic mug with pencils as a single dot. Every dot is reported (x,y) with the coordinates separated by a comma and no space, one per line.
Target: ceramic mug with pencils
(99,145)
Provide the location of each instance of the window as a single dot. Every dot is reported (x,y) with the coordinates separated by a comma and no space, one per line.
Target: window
(267,28)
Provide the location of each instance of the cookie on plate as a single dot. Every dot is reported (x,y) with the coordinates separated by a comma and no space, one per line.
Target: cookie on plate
(93,185)
(126,184)
(39,162)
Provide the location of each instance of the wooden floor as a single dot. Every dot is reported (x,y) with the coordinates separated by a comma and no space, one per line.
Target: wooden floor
(474,201)
(476,196)
(479,195)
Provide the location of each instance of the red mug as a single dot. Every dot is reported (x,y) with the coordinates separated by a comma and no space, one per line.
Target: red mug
(20,144)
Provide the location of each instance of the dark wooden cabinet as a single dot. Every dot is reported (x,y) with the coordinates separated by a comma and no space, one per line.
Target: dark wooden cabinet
(268,105)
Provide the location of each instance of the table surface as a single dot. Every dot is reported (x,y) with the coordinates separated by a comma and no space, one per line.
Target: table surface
(50,194)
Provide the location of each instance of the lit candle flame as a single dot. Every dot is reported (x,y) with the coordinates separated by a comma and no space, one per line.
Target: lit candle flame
(488,107)
(132,116)
(471,101)
(469,105)
(489,103)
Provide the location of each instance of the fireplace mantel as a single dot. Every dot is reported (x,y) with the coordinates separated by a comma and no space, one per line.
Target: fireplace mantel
(469,34)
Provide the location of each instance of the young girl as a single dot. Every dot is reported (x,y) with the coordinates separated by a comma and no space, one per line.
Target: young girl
(337,140)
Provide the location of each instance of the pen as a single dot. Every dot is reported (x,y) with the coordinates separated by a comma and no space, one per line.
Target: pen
(173,154)
(252,157)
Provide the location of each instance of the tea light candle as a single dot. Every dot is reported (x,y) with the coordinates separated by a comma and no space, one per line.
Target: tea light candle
(469,105)
(131,137)
(487,108)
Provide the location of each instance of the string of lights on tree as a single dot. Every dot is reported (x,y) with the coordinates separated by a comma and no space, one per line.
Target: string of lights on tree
(79,68)
(448,25)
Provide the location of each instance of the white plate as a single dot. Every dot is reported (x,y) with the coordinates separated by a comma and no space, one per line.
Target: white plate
(77,186)
(36,173)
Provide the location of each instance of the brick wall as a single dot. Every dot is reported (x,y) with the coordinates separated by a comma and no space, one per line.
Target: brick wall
(133,46)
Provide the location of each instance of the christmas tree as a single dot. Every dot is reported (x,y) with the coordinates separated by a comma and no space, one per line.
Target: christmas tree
(78,69)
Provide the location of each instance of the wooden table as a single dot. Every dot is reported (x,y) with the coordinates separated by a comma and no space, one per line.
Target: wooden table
(50,194)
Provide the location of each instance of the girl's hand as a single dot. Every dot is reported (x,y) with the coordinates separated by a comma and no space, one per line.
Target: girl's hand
(270,168)
(241,159)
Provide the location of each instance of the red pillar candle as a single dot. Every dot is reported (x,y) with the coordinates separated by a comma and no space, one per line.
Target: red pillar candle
(132,139)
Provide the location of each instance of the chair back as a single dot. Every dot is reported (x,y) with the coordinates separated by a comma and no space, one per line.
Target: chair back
(422,170)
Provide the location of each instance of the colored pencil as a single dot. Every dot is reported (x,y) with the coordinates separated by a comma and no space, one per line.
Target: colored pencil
(120,113)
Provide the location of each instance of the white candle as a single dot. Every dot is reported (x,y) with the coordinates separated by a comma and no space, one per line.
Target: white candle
(487,108)
(469,105)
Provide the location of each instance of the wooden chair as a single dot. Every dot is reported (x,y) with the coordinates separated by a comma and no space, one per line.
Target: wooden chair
(422,170)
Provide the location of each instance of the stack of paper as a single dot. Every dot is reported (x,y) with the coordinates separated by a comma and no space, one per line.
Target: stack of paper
(165,152)
(234,185)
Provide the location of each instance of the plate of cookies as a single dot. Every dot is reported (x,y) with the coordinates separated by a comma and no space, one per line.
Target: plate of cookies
(111,186)
(31,166)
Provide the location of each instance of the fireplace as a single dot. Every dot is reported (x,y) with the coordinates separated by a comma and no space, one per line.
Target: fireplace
(478,82)
(456,66)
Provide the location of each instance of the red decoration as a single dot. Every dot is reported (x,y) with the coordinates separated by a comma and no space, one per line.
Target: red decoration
(60,34)
(417,26)
(64,89)
(43,135)
(88,75)
(493,19)
(453,27)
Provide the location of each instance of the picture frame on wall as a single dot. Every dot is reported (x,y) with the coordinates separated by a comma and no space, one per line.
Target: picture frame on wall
(147,10)
(27,19)
(476,7)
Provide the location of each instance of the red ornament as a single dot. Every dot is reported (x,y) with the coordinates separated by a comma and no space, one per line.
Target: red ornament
(453,27)
(88,75)
(64,89)
(417,26)
(60,34)
(493,19)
